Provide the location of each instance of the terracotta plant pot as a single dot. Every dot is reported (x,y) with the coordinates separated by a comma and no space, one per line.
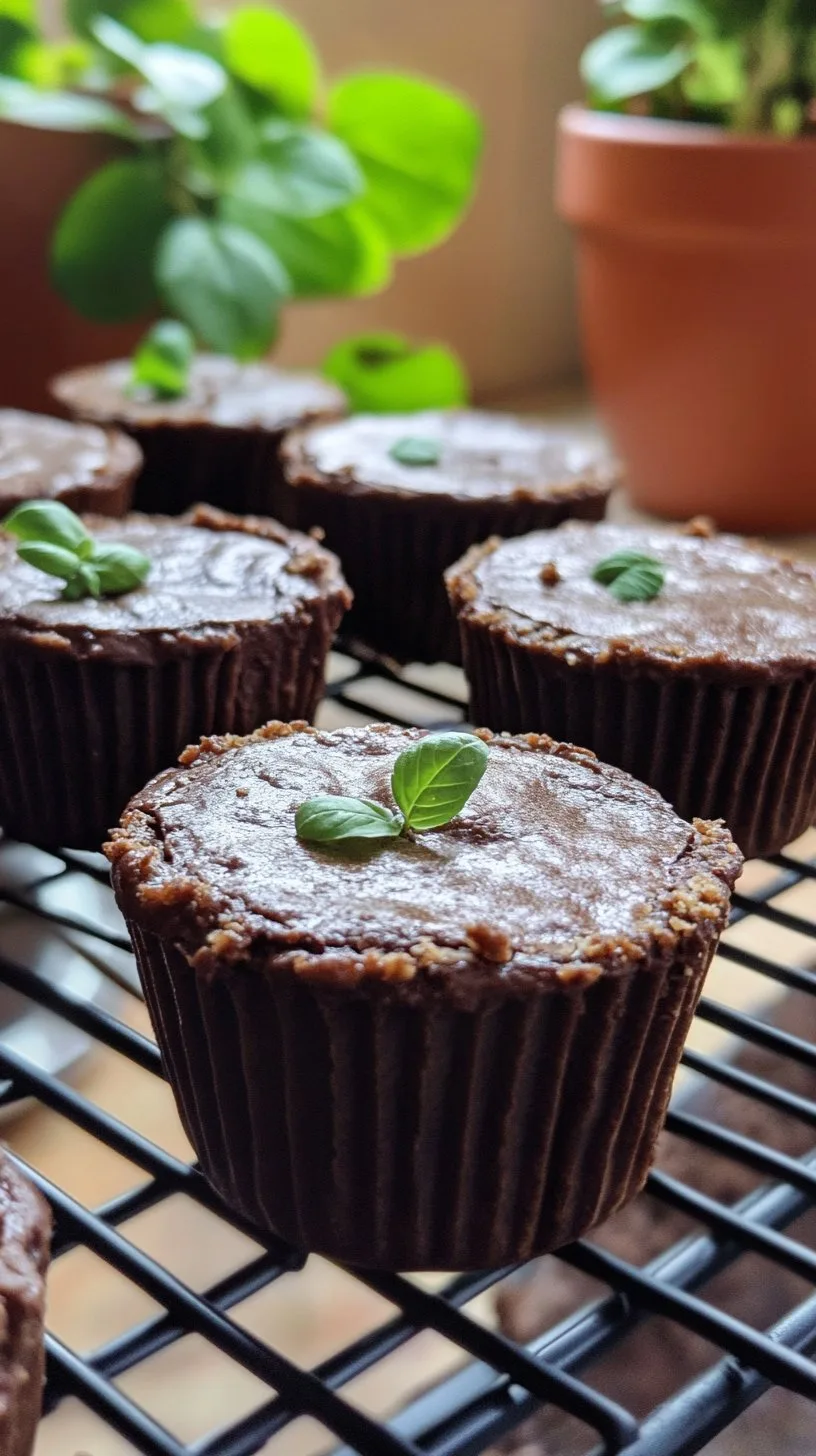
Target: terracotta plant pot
(39,170)
(697,274)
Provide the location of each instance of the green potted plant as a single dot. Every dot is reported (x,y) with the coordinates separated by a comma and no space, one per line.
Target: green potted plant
(158,162)
(690,179)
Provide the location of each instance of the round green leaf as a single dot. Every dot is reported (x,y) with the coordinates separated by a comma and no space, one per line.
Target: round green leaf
(416,450)
(150,20)
(433,780)
(300,172)
(49,522)
(55,560)
(224,282)
(632,61)
(331,817)
(341,253)
(383,373)
(266,50)
(103,249)
(59,110)
(630,576)
(418,146)
(119,568)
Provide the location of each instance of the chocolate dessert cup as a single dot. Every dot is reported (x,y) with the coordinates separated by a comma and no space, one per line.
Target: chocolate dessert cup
(388,1052)
(219,443)
(707,691)
(233,623)
(397,525)
(83,466)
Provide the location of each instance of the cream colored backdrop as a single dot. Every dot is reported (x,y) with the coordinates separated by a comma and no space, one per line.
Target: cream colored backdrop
(501,290)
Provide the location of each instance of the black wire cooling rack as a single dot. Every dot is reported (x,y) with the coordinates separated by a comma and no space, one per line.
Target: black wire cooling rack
(499,1383)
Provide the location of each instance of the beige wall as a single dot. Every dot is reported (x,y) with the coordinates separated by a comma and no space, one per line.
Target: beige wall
(501,290)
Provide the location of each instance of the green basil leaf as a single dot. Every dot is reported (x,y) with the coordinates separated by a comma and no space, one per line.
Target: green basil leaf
(60,110)
(55,560)
(630,576)
(162,361)
(383,373)
(331,817)
(631,61)
(418,146)
(434,778)
(269,52)
(48,522)
(341,253)
(84,583)
(150,20)
(224,282)
(105,241)
(119,568)
(416,450)
(300,172)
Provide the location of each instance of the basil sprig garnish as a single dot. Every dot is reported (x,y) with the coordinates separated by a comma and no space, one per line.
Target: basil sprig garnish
(630,576)
(162,360)
(53,539)
(431,782)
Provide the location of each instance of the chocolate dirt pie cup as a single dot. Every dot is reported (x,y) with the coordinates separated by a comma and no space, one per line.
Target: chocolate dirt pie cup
(233,623)
(684,657)
(400,497)
(83,466)
(25,1237)
(439,1047)
(219,442)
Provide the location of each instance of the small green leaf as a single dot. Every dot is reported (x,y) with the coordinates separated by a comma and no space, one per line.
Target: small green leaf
(434,778)
(384,373)
(268,51)
(718,76)
(180,82)
(84,583)
(162,361)
(48,522)
(119,568)
(60,110)
(631,61)
(418,146)
(787,116)
(342,253)
(55,560)
(630,576)
(105,241)
(299,173)
(331,817)
(224,282)
(415,450)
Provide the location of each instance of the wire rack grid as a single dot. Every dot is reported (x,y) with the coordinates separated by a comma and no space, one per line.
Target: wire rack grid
(57,910)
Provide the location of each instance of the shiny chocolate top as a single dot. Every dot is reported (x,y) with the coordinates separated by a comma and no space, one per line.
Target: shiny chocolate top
(43,458)
(558,866)
(725,602)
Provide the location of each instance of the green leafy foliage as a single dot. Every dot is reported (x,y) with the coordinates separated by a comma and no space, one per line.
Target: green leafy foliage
(105,241)
(418,146)
(162,361)
(222,281)
(416,450)
(384,372)
(53,539)
(269,52)
(743,63)
(431,782)
(244,184)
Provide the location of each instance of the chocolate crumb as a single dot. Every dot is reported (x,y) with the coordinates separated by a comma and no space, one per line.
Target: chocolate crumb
(490,943)
(549,574)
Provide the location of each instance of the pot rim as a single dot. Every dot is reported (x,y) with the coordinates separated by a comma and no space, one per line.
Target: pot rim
(615,128)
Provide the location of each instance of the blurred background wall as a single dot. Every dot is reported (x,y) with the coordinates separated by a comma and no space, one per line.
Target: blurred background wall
(501,290)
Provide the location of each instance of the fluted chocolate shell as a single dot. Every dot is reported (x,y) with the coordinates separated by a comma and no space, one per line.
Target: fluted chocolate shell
(707,691)
(25,1234)
(233,624)
(220,442)
(452,1050)
(81,465)
(397,526)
